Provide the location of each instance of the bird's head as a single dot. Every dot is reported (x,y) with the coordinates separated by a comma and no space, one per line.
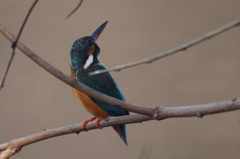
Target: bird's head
(85,50)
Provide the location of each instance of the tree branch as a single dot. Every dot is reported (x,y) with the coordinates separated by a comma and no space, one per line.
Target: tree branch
(73,82)
(15,145)
(182,47)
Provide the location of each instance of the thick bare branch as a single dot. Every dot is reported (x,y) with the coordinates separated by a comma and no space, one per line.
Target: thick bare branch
(162,113)
(73,82)
(175,50)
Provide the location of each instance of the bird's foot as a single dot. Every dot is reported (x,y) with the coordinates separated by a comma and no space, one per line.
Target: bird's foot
(97,122)
(89,120)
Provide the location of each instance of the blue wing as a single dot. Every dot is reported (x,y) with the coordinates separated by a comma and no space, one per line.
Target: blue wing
(105,84)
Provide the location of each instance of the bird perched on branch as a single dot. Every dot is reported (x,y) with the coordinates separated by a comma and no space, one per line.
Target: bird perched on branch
(84,59)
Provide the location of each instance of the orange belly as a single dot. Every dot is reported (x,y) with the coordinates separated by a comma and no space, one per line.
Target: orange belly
(88,103)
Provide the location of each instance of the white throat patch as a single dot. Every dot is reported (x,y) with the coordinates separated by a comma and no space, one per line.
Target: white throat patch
(88,62)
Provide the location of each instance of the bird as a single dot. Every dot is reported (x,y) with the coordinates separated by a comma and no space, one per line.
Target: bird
(85,59)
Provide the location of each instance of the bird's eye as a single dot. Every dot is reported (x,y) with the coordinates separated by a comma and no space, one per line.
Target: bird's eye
(91,41)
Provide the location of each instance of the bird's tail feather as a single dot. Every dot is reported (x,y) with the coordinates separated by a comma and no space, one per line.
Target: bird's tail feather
(121,130)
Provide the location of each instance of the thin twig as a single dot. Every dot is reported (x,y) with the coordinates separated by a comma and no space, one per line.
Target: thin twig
(163,113)
(182,47)
(75,9)
(15,43)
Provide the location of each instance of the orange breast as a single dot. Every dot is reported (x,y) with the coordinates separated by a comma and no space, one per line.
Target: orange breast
(88,103)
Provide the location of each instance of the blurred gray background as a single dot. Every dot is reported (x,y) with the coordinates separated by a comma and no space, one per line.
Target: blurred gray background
(33,100)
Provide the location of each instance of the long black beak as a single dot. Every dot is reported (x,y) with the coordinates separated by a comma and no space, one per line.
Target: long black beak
(99,30)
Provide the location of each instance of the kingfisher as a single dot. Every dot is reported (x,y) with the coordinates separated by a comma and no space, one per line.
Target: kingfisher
(85,59)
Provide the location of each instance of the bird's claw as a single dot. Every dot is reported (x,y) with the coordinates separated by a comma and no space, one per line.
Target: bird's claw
(83,126)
